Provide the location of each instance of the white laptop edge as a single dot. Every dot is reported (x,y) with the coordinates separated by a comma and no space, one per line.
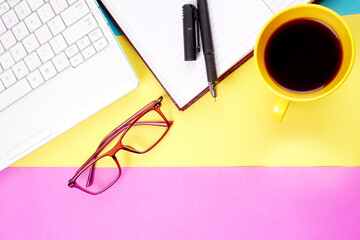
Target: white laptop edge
(24,130)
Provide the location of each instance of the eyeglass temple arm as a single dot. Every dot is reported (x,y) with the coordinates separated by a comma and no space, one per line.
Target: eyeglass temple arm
(109,138)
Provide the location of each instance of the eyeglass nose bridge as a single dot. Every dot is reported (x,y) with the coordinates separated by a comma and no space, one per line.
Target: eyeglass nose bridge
(119,146)
(132,149)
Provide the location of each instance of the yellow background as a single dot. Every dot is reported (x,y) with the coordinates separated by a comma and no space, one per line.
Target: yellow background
(235,131)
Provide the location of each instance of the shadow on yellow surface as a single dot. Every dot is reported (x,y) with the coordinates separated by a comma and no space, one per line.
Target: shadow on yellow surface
(235,131)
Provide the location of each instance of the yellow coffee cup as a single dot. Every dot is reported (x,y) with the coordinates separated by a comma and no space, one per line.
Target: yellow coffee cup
(317,13)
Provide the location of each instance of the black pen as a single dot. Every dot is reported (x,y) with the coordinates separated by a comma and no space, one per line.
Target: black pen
(208,46)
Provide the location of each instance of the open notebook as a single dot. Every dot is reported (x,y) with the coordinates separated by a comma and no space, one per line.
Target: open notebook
(155,29)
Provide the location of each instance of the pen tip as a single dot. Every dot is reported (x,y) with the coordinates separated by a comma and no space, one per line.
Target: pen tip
(213,91)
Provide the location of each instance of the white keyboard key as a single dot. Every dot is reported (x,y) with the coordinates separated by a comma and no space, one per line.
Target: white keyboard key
(12,2)
(7,39)
(58,43)
(76,60)
(95,35)
(83,43)
(75,12)
(2,87)
(71,51)
(32,61)
(45,52)
(18,51)
(35,78)
(2,27)
(61,62)
(6,60)
(4,7)
(8,78)
(45,13)
(58,5)
(56,25)
(35,4)
(22,10)
(10,18)
(88,52)
(30,43)
(1,49)
(14,93)
(20,70)
(20,31)
(100,44)
(70,2)
(48,70)
(43,34)
(33,22)
(81,28)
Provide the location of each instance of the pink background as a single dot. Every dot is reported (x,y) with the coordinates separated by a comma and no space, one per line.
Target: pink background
(184,203)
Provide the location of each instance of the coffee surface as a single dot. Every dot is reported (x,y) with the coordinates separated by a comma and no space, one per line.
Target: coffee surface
(303,55)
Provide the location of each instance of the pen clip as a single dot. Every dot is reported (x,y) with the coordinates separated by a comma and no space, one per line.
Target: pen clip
(197,31)
(191,32)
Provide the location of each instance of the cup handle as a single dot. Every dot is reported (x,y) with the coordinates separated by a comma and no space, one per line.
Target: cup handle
(280,107)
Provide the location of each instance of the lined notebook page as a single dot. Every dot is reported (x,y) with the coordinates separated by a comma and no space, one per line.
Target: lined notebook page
(155,29)
(276,5)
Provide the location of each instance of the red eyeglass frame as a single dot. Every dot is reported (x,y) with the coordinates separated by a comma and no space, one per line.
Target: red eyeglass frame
(124,127)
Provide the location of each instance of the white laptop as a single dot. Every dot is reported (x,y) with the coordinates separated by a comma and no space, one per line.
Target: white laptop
(59,64)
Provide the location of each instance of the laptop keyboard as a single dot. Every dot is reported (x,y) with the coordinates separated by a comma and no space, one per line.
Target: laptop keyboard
(40,39)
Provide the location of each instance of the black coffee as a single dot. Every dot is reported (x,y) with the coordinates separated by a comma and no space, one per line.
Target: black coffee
(303,55)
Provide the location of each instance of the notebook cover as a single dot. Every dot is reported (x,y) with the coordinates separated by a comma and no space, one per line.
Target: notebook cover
(203,92)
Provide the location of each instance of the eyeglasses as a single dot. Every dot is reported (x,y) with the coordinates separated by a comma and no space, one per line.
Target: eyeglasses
(139,134)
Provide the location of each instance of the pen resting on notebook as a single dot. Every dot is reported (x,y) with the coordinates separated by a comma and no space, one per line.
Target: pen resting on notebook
(208,46)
